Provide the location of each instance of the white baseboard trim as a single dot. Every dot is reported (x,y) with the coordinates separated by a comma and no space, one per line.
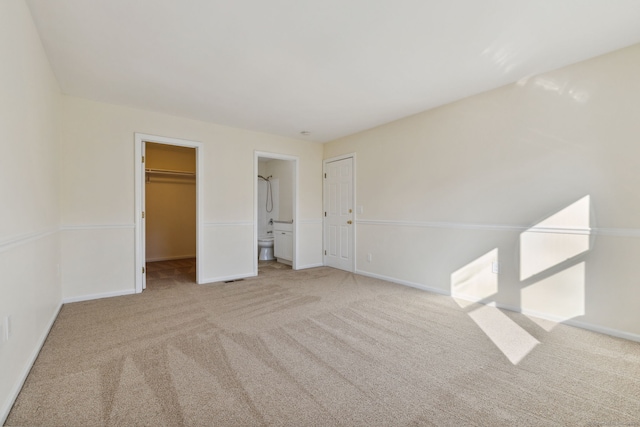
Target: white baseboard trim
(404,282)
(303,267)
(15,390)
(602,330)
(98,296)
(575,323)
(170,258)
(226,278)
(570,322)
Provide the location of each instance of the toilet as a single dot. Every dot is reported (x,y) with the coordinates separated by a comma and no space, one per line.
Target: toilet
(265,249)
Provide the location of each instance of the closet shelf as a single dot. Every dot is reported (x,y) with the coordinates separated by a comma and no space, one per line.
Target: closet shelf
(169,172)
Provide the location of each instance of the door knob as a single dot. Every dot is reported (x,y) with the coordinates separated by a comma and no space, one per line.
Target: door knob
(349,222)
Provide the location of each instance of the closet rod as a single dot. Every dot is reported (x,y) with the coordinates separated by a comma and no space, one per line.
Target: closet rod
(169,172)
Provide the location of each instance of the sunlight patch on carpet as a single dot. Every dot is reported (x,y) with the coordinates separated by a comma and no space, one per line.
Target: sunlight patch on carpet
(507,335)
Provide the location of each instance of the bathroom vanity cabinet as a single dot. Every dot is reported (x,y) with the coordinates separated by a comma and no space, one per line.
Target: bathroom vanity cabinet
(283,241)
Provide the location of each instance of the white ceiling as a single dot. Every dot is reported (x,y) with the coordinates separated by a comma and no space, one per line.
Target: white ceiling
(330,67)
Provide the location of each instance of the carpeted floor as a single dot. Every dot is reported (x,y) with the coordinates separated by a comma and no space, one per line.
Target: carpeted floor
(318,347)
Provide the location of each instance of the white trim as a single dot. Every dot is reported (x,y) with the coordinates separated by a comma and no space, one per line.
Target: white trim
(15,390)
(303,267)
(352,156)
(296,197)
(617,232)
(139,178)
(97,227)
(99,296)
(622,232)
(560,230)
(171,258)
(570,322)
(602,330)
(227,224)
(227,278)
(404,282)
(556,319)
(534,313)
(440,224)
(340,157)
(22,239)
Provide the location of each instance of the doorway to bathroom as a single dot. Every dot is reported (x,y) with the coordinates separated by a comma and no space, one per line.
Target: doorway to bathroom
(276,210)
(167,207)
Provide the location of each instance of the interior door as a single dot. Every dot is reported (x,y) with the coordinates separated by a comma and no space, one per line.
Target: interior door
(338,215)
(143,223)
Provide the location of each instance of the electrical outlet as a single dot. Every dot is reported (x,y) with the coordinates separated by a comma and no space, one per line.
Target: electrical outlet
(369,257)
(495,267)
(7,327)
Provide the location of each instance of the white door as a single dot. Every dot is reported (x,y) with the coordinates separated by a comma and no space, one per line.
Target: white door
(338,215)
(139,203)
(143,222)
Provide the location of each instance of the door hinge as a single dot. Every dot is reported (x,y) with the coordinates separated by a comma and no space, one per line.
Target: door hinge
(325,214)
(325,252)
(142,270)
(142,214)
(325,175)
(142,159)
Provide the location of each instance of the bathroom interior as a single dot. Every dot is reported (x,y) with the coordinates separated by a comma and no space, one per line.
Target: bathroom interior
(275,210)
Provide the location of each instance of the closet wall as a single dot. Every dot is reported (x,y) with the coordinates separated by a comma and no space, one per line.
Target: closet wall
(170,202)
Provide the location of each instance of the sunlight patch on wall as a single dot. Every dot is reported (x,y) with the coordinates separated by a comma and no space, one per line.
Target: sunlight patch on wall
(476,281)
(507,335)
(560,296)
(549,258)
(558,238)
(503,55)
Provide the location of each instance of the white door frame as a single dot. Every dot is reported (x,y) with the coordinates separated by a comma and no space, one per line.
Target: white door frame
(353,202)
(140,257)
(296,160)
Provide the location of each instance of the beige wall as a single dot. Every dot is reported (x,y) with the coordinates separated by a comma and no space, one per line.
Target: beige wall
(170,209)
(540,176)
(30,291)
(97,182)
(447,192)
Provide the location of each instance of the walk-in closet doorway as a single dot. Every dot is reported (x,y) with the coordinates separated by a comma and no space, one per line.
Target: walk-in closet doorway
(168,198)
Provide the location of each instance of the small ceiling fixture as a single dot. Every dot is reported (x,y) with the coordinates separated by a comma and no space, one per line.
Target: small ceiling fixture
(305,133)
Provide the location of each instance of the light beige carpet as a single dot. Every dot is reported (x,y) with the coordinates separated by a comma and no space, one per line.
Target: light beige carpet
(318,347)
